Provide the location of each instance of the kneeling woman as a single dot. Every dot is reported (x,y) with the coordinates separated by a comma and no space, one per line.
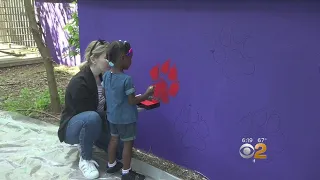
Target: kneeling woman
(83,119)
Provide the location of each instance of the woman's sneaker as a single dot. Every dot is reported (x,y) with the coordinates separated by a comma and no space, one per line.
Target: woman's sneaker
(89,168)
(79,149)
(132,176)
(115,168)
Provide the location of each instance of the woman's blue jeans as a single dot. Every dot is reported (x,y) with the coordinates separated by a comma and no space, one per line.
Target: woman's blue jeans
(86,129)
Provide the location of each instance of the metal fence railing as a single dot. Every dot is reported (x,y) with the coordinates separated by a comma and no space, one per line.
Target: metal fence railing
(14,24)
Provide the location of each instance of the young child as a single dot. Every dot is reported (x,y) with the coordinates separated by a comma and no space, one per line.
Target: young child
(122,111)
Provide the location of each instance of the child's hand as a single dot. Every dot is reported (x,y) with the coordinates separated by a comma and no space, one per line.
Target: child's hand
(150,91)
(134,100)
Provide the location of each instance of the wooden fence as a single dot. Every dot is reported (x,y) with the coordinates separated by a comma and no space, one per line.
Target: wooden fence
(14,24)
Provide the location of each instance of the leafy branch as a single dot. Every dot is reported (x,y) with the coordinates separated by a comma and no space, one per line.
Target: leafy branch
(72,27)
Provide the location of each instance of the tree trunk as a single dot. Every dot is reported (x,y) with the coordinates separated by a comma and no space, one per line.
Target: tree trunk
(45,54)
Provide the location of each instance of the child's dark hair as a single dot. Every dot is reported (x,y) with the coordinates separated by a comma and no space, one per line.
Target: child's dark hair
(116,48)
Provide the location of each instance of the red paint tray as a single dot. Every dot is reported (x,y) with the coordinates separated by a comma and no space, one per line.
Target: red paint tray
(149,104)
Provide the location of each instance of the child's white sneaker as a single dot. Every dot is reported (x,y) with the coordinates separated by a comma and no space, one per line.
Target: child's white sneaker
(89,168)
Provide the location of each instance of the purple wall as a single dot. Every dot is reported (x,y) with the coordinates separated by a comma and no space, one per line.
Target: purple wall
(245,70)
(53,17)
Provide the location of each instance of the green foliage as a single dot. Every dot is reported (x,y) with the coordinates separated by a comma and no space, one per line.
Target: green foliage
(30,99)
(72,27)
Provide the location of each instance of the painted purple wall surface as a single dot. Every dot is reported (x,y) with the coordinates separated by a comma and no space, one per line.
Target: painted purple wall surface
(245,71)
(53,17)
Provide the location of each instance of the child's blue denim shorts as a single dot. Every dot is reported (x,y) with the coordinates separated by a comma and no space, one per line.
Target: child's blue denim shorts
(126,132)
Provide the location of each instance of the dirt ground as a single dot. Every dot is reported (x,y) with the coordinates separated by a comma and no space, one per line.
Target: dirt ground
(33,77)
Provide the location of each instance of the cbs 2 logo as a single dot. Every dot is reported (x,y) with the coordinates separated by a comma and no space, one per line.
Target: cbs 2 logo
(247,151)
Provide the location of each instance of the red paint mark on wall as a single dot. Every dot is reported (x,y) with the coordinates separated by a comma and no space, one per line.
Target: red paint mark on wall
(163,89)
(165,67)
(154,73)
(173,73)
